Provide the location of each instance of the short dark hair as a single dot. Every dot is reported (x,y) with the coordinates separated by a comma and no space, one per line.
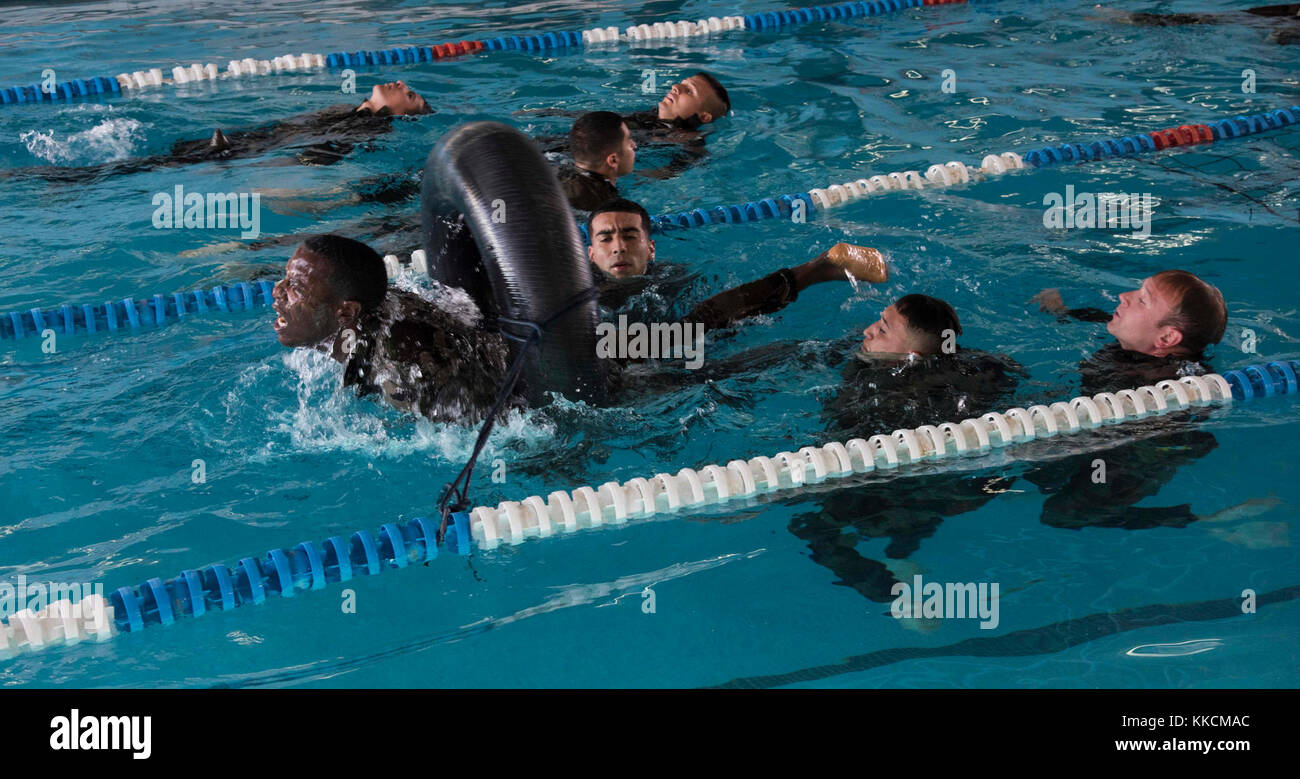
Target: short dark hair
(718,90)
(620,205)
(358,271)
(929,316)
(595,135)
(1199,312)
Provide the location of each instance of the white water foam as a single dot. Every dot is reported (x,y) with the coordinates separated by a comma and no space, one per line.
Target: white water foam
(327,417)
(453,300)
(108,141)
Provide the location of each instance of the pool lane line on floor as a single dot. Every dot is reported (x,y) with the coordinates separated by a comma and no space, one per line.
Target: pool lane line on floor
(1047,639)
(396,545)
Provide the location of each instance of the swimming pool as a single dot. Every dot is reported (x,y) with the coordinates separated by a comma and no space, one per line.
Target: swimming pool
(101,436)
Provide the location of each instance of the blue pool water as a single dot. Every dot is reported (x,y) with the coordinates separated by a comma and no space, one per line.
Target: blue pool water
(99,438)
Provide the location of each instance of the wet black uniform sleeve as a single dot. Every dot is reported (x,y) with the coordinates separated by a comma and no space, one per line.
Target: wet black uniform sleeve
(1173,20)
(388,189)
(1286,9)
(763,296)
(323,137)
(679,136)
(585,191)
(1088,314)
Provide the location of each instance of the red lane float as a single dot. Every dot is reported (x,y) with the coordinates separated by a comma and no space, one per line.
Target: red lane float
(1183,135)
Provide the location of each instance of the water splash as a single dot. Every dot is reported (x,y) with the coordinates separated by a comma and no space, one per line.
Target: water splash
(304,408)
(452,300)
(331,418)
(109,141)
(852,281)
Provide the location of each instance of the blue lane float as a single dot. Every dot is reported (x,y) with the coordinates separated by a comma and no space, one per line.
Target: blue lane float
(284,572)
(130,314)
(957,172)
(1156,140)
(1263,381)
(316,565)
(532,42)
(779,207)
(65,90)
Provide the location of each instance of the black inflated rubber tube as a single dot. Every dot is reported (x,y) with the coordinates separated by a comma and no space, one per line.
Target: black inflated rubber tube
(522,256)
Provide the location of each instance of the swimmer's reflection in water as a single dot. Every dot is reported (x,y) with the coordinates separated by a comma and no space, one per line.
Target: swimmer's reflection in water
(319,138)
(1162,331)
(901,376)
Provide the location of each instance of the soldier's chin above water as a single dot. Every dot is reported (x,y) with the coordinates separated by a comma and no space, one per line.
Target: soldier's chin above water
(914,325)
(396,98)
(309,310)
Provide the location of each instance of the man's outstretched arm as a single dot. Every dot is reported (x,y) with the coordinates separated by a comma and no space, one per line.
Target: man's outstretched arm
(1049,301)
(778,290)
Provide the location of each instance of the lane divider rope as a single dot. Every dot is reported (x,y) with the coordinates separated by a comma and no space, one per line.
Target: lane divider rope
(396,545)
(131,314)
(956,172)
(134,314)
(410,55)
